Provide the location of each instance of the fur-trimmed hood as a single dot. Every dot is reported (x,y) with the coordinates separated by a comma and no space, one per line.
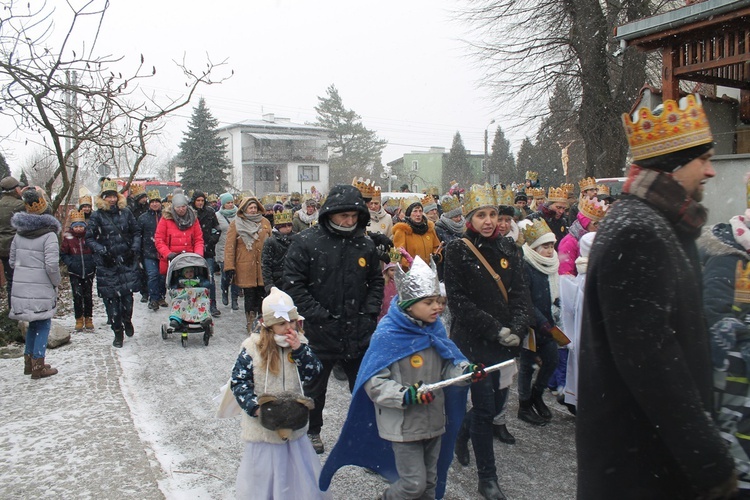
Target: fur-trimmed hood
(717,240)
(101,203)
(33,226)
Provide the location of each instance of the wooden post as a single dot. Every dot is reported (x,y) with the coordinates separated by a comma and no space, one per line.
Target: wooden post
(670,86)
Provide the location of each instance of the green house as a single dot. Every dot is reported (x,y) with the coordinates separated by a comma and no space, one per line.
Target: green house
(421,170)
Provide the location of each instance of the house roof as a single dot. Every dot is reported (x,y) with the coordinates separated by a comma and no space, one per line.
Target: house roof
(275,125)
(285,137)
(677,18)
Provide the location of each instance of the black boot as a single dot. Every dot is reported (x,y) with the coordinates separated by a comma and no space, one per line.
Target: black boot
(129,330)
(339,373)
(462,444)
(490,490)
(501,432)
(537,401)
(235,305)
(527,414)
(118,338)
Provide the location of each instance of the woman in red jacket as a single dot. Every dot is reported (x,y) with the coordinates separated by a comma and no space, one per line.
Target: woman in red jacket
(178,231)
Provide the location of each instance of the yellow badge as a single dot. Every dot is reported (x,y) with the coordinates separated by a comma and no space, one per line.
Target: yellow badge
(362,262)
(504,263)
(382,225)
(562,229)
(289,357)
(416,361)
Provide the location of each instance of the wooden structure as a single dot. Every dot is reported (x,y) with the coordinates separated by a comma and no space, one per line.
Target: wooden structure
(707,42)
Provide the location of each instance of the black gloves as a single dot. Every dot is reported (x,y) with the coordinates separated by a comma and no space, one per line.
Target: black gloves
(171,256)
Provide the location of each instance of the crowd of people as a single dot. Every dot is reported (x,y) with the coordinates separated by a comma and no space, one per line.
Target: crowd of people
(601,300)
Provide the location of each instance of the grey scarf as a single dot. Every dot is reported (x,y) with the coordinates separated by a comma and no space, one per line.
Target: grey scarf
(452,226)
(186,221)
(248,227)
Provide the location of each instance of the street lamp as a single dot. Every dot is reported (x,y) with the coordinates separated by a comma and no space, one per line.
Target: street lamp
(486,157)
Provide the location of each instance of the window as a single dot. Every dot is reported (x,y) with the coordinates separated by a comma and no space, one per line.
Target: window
(265,173)
(414,165)
(309,173)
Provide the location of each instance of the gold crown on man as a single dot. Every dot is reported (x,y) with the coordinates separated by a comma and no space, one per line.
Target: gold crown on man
(450,203)
(587,183)
(479,196)
(76,216)
(84,200)
(742,283)
(109,185)
(154,195)
(592,208)
(137,190)
(376,193)
(557,195)
(603,189)
(282,217)
(532,176)
(433,190)
(366,187)
(537,193)
(535,230)
(505,197)
(679,126)
(569,188)
(426,200)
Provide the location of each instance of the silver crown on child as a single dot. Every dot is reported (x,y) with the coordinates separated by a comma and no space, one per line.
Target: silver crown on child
(421,281)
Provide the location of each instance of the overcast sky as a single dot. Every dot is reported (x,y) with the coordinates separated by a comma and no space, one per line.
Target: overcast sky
(400,64)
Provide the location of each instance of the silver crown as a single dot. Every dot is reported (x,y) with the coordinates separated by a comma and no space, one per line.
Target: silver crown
(421,281)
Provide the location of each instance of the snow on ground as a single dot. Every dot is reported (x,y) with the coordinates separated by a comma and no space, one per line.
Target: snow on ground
(138,422)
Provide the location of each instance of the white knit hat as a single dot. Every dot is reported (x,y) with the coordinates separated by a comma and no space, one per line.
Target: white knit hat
(278,307)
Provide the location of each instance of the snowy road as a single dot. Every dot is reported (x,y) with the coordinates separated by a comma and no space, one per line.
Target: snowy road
(138,422)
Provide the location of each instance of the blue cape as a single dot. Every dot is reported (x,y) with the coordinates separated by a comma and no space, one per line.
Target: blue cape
(359,443)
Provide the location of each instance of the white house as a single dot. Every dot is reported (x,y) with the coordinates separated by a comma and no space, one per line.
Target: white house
(275,155)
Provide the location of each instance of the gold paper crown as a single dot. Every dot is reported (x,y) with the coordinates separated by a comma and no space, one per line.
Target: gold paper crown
(534,231)
(677,127)
(268,199)
(505,197)
(137,190)
(154,195)
(366,187)
(592,208)
(405,202)
(587,183)
(76,216)
(39,206)
(603,189)
(433,190)
(376,192)
(479,196)
(742,284)
(532,176)
(394,255)
(84,200)
(392,203)
(283,217)
(212,198)
(536,193)
(557,195)
(569,188)
(109,185)
(450,203)
(426,200)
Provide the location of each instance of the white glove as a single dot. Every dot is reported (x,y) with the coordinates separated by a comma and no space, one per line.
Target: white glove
(508,339)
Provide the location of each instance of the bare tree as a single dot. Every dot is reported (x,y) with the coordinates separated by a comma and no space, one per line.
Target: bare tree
(72,101)
(529,46)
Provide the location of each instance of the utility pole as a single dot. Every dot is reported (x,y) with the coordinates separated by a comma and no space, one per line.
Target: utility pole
(486,156)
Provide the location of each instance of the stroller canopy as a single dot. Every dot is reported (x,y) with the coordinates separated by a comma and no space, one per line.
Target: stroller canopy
(184,260)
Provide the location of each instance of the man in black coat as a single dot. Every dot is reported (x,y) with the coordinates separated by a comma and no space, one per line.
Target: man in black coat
(333,274)
(211,233)
(553,213)
(644,426)
(148,221)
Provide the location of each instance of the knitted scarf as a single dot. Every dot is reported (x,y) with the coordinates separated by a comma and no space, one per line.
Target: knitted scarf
(548,266)
(307,219)
(248,227)
(452,226)
(665,194)
(184,222)
(420,228)
(229,213)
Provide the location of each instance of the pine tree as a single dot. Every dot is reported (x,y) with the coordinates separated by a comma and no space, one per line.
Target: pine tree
(355,147)
(203,153)
(23,179)
(457,165)
(502,162)
(4,168)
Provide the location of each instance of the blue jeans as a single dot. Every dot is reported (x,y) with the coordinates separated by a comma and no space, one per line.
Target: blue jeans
(156,287)
(225,282)
(36,338)
(211,263)
(547,352)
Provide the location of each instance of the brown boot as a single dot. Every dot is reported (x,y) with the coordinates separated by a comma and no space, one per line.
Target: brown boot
(40,370)
(79,324)
(89,323)
(27,364)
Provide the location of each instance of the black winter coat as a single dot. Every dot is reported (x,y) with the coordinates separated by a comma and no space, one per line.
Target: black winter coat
(540,303)
(115,238)
(211,230)
(148,222)
(272,259)
(335,280)
(476,303)
(643,427)
(445,235)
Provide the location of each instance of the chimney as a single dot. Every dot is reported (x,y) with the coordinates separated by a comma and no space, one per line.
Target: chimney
(268,117)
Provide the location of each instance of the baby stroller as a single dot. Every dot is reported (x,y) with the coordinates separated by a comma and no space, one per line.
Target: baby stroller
(188,298)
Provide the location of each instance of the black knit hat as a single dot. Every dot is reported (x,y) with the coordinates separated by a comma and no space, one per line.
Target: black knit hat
(411,208)
(671,161)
